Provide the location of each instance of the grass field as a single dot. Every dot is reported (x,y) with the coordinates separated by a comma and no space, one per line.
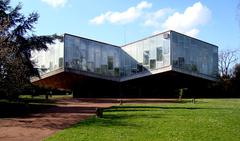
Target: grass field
(206,120)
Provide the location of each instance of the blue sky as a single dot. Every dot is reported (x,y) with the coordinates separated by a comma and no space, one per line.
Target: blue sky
(123,21)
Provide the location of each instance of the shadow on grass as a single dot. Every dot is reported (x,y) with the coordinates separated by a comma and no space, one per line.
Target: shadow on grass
(121,116)
(115,120)
(153,108)
(12,109)
(107,121)
(33,100)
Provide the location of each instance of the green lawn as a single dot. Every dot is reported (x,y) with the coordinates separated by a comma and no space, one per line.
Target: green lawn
(207,120)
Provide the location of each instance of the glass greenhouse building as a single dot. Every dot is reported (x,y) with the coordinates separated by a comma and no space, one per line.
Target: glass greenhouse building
(168,58)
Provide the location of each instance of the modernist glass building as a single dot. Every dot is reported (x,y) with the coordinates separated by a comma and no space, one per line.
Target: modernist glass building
(77,59)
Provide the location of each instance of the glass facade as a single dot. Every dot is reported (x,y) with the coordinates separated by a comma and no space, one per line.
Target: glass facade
(155,52)
(151,53)
(193,55)
(91,56)
(51,59)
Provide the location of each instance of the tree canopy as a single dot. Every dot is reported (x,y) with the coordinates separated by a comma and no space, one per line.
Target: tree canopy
(16,43)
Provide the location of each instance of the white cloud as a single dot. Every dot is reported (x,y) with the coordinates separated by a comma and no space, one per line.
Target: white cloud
(130,15)
(154,19)
(55,3)
(143,5)
(193,32)
(189,21)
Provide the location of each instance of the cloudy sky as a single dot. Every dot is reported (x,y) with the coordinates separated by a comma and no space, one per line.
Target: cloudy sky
(123,21)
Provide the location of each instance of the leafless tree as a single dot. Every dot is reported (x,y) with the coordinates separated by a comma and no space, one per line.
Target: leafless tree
(227,59)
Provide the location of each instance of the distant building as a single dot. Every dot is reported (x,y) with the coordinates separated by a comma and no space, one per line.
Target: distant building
(144,68)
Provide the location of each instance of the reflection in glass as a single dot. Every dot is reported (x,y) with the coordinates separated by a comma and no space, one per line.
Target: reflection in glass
(159,54)
(146,57)
(152,64)
(110,63)
(151,53)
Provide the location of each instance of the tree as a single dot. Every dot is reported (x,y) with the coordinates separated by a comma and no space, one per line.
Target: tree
(236,72)
(229,72)
(236,80)
(226,60)
(16,44)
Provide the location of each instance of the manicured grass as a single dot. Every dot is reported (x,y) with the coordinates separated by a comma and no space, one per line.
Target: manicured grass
(207,120)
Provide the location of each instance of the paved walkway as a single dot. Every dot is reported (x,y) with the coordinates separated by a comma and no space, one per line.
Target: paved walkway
(67,112)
